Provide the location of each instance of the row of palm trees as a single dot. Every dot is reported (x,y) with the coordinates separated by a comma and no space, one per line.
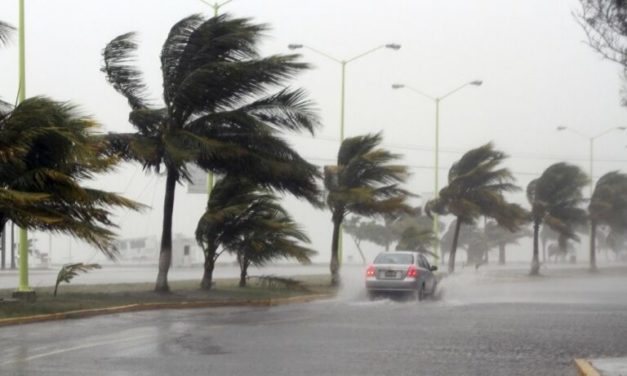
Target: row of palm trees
(478,182)
(223,110)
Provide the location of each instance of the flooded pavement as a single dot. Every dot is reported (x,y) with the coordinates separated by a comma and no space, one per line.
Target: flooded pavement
(473,327)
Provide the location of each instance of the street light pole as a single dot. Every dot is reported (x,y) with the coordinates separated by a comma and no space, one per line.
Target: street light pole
(23,287)
(216,6)
(437,101)
(591,140)
(343,63)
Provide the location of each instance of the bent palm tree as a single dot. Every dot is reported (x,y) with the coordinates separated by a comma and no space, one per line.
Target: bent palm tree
(608,206)
(476,188)
(364,183)
(47,151)
(219,112)
(226,216)
(247,220)
(555,199)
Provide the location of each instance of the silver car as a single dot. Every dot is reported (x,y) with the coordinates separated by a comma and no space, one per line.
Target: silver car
(408,272)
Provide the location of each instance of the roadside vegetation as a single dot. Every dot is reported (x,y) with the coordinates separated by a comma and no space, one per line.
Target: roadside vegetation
(226,110)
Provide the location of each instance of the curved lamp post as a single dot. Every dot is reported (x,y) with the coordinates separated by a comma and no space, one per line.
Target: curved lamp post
(591,139)
(437,100)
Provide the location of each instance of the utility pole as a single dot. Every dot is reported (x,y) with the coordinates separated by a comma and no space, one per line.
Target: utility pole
(23,290)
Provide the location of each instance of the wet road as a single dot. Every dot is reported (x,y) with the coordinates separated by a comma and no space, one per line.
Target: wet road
(477,326)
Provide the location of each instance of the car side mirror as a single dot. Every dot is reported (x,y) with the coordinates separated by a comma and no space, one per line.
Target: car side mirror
(433,268)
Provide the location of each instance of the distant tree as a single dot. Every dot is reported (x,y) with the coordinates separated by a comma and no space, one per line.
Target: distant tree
(476,188)
(555,199)
(359,232)
(605,24)
(546,235)
(608,206)
(218,112)
(364,183)
(500,237)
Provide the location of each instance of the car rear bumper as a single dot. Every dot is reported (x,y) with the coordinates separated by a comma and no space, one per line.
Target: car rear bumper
(391,285)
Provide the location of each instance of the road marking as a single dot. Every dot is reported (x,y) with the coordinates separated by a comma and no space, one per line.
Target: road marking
(68,349)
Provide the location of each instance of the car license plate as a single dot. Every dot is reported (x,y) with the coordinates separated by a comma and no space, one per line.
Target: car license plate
(391,274)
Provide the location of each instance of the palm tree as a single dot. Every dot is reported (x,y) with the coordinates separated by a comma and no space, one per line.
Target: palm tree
(273,235)
(364,183)
(555,199)
(47,151)
(218,113)
(476,188)
(608,206)
(244,219)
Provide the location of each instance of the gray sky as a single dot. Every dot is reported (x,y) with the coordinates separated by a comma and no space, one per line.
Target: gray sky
(537,74)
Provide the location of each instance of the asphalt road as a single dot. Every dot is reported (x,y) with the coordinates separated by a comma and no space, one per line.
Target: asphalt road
(476,326)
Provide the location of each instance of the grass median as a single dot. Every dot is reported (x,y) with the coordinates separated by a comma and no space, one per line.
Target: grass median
(82,297)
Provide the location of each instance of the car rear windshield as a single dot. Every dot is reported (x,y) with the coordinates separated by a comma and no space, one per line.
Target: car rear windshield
(394,258)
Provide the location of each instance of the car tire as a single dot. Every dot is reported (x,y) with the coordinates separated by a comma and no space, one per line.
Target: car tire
(371,295)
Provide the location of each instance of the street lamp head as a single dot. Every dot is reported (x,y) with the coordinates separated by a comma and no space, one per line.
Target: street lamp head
(294,46)
(476,82)
(561,128)
(397,86)
(393,46)
(621,128)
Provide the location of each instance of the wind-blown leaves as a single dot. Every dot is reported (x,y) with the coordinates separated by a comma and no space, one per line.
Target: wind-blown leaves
(476,188)
(247,220)
(6,32)
(118,66)
(556,200)
(48,151)
(223,111)
(363,182)
(608,206)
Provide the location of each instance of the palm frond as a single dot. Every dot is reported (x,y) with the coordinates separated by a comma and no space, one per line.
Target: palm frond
(118,65)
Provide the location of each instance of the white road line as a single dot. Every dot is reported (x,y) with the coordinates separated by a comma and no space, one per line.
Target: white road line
(85,346)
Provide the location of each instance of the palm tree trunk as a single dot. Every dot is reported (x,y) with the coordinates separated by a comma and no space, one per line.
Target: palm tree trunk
(593,238)
(3,245)
(207,277)
(535,263)
(243,271)
(451,256)
(501,253)
(335,264)
(165,255)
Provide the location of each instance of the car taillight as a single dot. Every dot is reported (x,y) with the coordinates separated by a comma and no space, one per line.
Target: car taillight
(370,271)
(412,271)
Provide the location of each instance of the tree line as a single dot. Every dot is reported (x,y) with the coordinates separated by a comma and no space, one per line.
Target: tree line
(226,109)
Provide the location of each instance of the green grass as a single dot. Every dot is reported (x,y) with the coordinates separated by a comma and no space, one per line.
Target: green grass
(76,297)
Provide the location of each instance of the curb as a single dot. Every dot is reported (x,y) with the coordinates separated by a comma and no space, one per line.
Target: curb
(584,368)
(159,305)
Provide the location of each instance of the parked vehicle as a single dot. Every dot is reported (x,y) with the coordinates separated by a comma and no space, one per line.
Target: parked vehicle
(401,272)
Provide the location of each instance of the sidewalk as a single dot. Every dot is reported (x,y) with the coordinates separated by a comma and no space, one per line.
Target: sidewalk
(602,367)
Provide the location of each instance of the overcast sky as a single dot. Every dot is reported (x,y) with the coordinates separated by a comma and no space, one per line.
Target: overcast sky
(537,73)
